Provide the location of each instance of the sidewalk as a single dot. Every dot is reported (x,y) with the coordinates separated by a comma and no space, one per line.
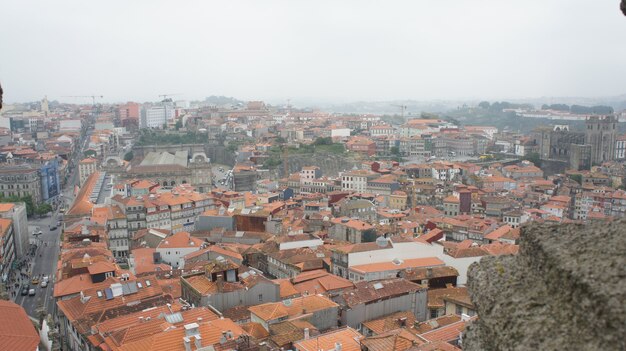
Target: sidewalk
(21,277)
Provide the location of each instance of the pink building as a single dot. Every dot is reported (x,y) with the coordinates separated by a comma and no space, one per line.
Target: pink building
(129,111)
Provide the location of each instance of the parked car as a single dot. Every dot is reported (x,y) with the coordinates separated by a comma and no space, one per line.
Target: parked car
(24,291)
(35,280)
(31,292)
(53,227)
(44,284)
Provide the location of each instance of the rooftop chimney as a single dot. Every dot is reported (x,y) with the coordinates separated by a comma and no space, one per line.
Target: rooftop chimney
(191,329)
(402,321)
(198,342)
(429,272)
(187,343)
(306,333)
(337,346)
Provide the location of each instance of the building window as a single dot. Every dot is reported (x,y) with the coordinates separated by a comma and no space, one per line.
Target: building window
(459,309)
(433,314)
(260,297)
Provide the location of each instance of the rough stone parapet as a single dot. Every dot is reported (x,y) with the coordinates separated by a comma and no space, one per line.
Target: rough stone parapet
(566,290)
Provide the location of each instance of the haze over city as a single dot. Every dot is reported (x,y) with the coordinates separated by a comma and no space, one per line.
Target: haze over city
(435,175)
(322,51)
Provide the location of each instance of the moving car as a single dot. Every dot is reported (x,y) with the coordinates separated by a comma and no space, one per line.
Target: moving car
(44,284)
(24,291)
(31,292)
(53,227)
(35,281)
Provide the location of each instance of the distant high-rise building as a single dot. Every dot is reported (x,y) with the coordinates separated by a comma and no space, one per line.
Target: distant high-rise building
(129,110)
(157,115)
(601,133)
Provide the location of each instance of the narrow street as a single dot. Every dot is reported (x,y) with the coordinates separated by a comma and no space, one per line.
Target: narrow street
(44,262)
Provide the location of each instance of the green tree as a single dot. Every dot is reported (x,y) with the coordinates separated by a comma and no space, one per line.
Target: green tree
(179,124)
(395,150)
(90,153)
(43,208)
(534,158)
(281,140)
(577,178)
(427,115)
(484,105)
(129,156)
(27,200)
(323,141)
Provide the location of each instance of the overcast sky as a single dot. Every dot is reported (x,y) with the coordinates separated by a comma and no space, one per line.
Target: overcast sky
(326,51)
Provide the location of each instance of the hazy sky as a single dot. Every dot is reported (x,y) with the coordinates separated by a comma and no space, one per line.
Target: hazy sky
(312,51)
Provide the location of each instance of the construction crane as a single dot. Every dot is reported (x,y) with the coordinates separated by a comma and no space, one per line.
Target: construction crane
(164,96)
(93,97)
(402,109)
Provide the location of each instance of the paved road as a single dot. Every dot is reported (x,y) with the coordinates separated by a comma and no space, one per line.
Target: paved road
(44,264)
(47,254)
(217,175)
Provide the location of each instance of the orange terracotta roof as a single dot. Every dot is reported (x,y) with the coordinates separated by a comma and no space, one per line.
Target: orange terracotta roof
(5,207)
(395,340)
(398,265)
(286,288)
(144,261)
(448,333)
(16,329)
(273,310)
(390,322)
(82,206)
(498,233)
(180,239)
(101,267)
(172,339)
(348,338)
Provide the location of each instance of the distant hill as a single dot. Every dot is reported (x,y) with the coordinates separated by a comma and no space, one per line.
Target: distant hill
(223,100)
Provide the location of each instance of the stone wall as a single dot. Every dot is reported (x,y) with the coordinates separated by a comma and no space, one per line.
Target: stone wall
(566,290)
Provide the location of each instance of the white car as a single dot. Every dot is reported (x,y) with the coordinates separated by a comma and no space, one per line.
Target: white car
(44,284)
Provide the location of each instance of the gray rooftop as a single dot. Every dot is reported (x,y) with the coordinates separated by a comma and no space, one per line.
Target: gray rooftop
(165,158)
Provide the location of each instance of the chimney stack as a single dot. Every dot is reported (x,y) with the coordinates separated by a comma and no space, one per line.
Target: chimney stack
(187,343)
(429,272)
(220,282)
(198,342)
(337,346)
(306,333)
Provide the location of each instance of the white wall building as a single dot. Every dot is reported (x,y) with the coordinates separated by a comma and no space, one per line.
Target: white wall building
(340,132)
(173,248)
(157,116)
